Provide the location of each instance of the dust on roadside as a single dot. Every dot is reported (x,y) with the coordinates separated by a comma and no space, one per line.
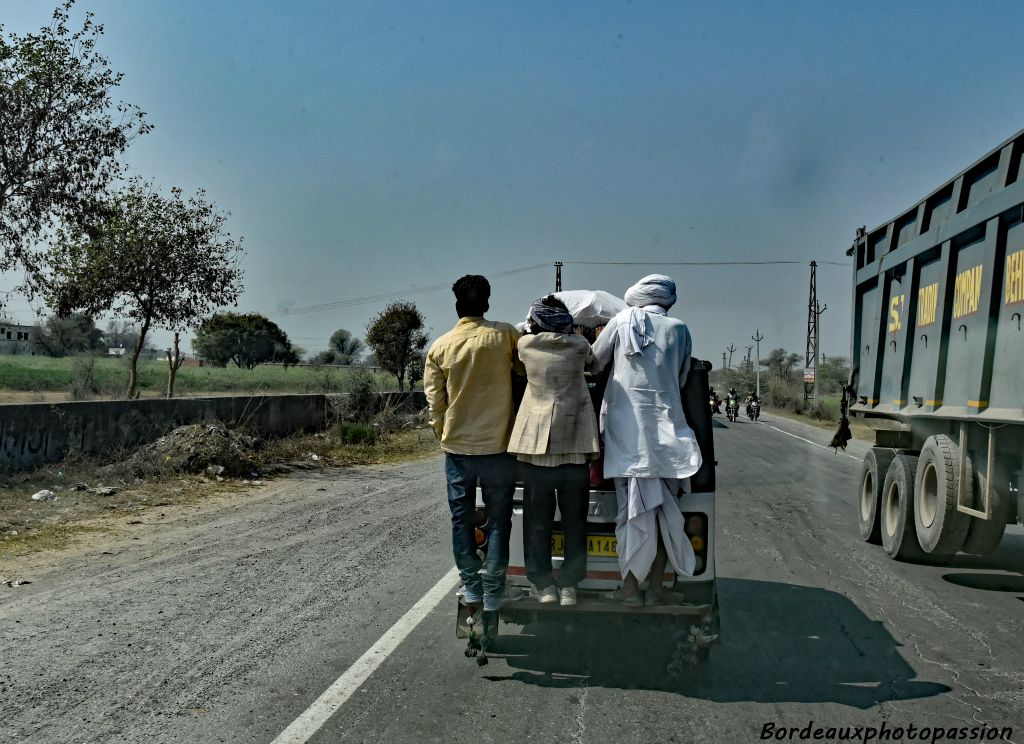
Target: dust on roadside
(197,463)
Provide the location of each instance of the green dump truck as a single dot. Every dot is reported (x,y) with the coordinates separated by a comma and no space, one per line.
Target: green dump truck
(938,364)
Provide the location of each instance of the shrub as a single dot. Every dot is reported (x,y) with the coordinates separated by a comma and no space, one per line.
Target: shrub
(83,377)
(362,399)
(356,433)
(784,393)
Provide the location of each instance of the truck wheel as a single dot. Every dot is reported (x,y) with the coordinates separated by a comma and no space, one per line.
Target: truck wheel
(940,527)
(897,510)
(984,536)
(872,477)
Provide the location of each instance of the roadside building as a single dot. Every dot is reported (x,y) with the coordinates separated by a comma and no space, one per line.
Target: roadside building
(16,338)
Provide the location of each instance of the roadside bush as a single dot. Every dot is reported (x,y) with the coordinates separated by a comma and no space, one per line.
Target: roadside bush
(356,433)
(83,377)
(361,401)
(828,411)
(785,393)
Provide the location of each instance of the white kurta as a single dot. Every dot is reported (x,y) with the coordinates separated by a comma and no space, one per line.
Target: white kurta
(645,429)
(649,446)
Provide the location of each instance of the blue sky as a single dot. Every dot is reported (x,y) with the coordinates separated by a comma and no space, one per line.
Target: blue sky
(365,148)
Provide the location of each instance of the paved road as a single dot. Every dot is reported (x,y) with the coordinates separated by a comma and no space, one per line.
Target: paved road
(224,625)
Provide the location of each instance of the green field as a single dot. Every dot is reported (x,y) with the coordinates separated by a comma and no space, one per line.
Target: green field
(27,378)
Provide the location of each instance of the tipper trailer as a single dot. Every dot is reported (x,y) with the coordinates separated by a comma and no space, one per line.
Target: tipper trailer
(938,364)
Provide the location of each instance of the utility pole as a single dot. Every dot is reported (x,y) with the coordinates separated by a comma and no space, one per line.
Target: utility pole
(558,276)
(730,348)
(723,360)
(748,362)
(758,338)
(811,359)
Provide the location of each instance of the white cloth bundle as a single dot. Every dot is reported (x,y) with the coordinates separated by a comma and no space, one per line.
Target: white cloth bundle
(591,308)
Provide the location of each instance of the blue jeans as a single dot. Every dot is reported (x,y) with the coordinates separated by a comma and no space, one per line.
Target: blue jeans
(496,476)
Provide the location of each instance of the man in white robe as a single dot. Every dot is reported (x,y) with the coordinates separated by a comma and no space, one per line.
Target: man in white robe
(650,450)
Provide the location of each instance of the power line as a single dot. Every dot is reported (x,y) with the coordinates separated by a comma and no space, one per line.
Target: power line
(704,263)
(337,304)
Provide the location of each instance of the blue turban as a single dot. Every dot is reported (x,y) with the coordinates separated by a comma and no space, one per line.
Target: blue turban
(551,319)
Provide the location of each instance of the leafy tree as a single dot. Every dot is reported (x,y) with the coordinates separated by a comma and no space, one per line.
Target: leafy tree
(60,132)
(781,363)
(159,261)
(346,348)
(415,368)
(246,339)
(741,379)
(835,372)
(74,334)
(396,334)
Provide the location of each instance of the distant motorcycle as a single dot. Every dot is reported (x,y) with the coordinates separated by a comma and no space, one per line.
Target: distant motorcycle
(715,403)
(753,410)
(732,409)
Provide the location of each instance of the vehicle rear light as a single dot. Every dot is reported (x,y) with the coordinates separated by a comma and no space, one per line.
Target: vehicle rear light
(480,531)
(696,528)
(695,524)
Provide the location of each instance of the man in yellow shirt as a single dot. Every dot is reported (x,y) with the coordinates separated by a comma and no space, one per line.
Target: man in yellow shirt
(468,382)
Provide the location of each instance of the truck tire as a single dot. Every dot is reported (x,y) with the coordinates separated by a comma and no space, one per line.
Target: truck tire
(940,527)
(872,478)
(899,539)
(984,535)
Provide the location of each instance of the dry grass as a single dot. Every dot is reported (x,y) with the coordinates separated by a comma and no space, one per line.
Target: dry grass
(28,526)
(405,445)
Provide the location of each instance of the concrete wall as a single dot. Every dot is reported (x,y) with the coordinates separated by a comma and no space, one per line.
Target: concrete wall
(37,433)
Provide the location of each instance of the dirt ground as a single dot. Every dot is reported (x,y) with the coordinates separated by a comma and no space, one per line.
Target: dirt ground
(94,496)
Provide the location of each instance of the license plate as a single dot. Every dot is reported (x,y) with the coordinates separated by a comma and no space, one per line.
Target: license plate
(597,545)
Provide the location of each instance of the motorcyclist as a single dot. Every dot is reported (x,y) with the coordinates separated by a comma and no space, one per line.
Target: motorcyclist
(732,401)
(751,400)
(714,401)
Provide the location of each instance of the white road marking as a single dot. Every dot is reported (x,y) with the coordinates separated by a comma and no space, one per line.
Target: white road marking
(316,715)
(815,444)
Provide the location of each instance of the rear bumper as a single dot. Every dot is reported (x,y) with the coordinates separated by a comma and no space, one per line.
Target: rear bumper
(701,614)
(592,603)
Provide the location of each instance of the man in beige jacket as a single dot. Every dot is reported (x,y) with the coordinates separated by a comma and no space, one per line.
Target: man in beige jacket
(555,435)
